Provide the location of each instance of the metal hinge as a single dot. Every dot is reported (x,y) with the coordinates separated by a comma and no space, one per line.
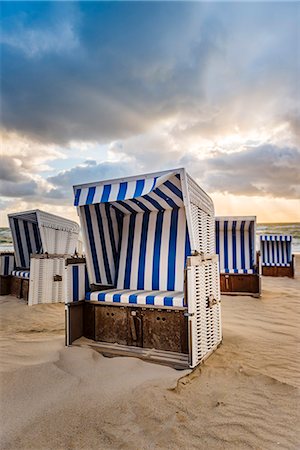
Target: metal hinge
(187,314)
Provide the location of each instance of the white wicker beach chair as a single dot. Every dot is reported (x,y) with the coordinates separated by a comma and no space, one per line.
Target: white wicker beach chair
(277,258)
(152,268)
(236,247)
(42,242)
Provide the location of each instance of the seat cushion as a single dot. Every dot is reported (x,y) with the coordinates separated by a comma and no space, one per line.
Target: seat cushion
(155,298)
(276,264)
(21,273)
(240,271)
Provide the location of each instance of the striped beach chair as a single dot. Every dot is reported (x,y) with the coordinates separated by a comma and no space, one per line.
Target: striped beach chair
(276,254)
(38,233)
(236,247)
(7,265)
(152,269)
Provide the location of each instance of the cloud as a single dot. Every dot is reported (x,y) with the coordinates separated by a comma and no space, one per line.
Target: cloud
(206,69)
(255,171)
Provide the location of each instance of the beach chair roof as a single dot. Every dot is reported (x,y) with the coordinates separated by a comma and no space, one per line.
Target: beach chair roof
(101,204)
(37,231)
(276,250)
(236,243)
(276,237)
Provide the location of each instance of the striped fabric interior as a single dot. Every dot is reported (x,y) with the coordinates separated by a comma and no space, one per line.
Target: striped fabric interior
(154,298)
(21,273)
(26,239)
(276,250)
(78,282)
(138,243)
(235,245)
(7,264)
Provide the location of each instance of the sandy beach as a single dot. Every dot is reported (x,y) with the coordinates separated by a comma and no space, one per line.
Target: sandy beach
(245,396)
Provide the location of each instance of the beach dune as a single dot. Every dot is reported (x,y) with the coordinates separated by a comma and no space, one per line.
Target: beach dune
(245,396)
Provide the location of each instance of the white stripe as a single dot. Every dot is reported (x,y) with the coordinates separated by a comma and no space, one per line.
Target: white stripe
(150,250)
(123,253)
(98,245)
(180,250)
(98,194)
(136,251)
(164,250)
(114,192)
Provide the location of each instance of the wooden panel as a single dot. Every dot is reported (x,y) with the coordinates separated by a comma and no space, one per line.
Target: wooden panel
(111,324)
(247,283)
(135,327)
(89,320)
(25,289)
(5,284)
(165,330)
(75,323)
(16,287)
(278,271)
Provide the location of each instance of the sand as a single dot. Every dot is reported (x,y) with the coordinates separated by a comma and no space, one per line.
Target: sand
(245,396)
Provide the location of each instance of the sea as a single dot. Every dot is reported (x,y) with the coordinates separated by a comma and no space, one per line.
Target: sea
(292,229)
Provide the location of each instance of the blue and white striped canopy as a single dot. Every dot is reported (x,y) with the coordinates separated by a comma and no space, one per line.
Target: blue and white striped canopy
(26,237)
(235,244)
(276,250)
(135,232)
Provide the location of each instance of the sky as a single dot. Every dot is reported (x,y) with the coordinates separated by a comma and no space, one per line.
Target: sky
(99,90)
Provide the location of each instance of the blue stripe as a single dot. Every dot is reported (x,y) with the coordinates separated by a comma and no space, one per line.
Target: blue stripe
(174,189)
(166,198)
(150,300)
(139,188)
(105,193)
(234,244)
(226,244)
(111,232)
(27,236)
(101,297)
(126,206)
(86,280)
(122,191)
(19,241)
(88,296)
(92,242)
(277,251)
(90,196)
(217,238)
(37,238)
(140,204)
(77,197)
(132,298)
(153,203)
(243,245)
(187,247)
(129,251)
(103,244)
(251,245)
(75,283)
(117,298)
(168,301)
(6,265)
(263,252)
(172,251)
(156,252)
(142,258)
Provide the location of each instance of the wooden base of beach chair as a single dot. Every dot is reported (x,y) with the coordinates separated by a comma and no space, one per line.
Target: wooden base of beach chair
(5,284)
(173,359)
(136,326)
(273,271)
(19,288)
(240,284)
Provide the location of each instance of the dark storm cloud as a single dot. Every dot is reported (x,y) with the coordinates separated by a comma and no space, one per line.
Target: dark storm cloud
(104,71)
